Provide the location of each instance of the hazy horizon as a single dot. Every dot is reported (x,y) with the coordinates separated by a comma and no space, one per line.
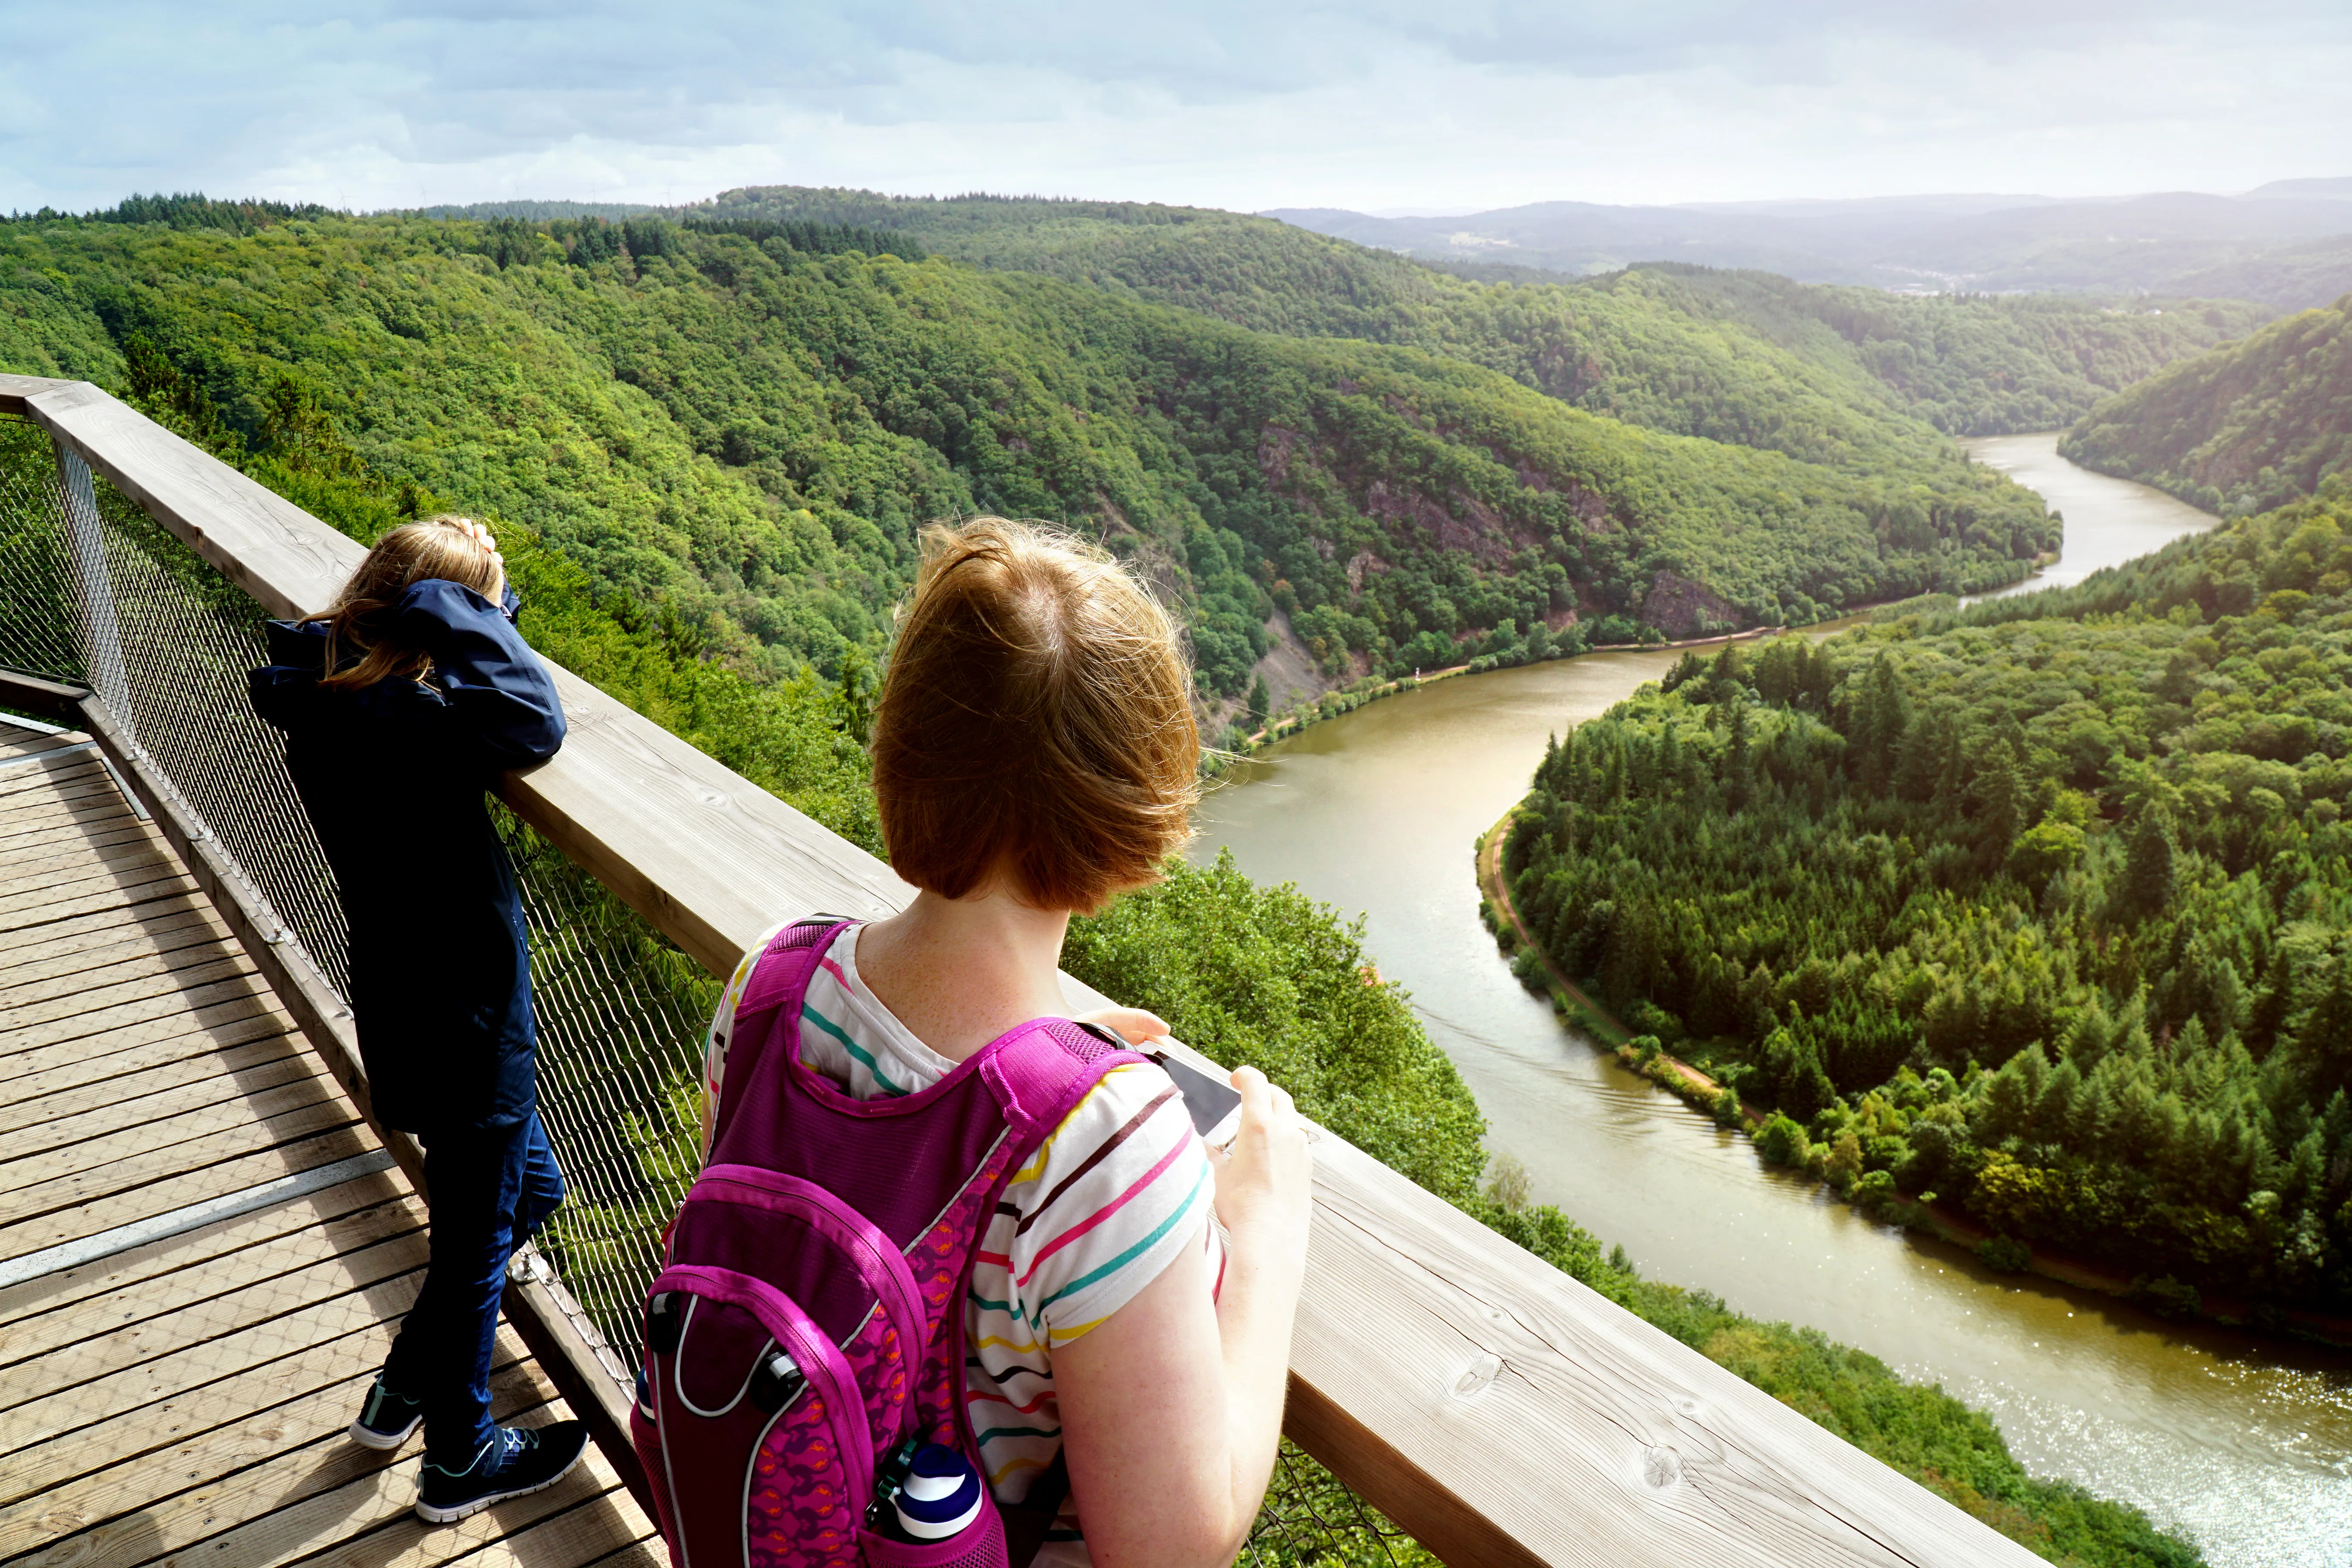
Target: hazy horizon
(1371,107)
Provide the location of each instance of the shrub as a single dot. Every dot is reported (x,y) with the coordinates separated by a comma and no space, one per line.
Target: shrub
(2005,1255)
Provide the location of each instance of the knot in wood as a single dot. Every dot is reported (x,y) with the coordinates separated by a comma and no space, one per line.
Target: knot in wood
(1483,1371)
(1661,1467)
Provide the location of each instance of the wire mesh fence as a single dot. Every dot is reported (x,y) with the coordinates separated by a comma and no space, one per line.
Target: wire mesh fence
(94,592)
(620,1010)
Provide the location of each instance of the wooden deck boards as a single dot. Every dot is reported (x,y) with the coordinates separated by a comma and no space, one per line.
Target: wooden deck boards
(184,1399)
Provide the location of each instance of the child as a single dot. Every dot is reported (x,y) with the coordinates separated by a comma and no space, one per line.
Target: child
(401,706)
(1035,754)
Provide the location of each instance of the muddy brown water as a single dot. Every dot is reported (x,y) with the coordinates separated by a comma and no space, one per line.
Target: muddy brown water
(2243,1444)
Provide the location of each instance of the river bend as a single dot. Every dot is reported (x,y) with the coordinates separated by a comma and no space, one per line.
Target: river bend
(2243,1444)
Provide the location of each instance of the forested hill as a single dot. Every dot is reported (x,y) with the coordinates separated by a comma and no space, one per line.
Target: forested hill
(1829,374)
(2240,429)
(746,429)
(2045,908)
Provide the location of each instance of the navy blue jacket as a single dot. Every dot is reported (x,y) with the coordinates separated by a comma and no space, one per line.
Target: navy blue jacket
(392,778)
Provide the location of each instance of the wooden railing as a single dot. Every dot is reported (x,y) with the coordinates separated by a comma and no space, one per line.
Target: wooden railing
(1494,1408)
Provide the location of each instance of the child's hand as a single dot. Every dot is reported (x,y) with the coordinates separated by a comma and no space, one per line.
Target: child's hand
(481,538)
(1132,1025)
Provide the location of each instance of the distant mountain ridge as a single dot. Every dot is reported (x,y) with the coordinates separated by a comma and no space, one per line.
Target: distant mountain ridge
(2155,243)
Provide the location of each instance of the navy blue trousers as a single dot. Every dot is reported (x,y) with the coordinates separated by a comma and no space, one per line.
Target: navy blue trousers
(492,1188)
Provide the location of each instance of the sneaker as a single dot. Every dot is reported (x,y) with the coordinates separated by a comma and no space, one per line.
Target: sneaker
(387,1419)
(515,1461)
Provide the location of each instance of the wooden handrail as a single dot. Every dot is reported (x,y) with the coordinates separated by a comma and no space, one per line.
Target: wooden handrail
(1496,1409)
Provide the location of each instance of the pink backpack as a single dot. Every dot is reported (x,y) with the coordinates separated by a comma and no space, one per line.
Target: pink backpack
(808,1331)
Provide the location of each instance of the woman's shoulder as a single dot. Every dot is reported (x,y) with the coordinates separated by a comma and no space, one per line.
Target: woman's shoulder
(1130,1123)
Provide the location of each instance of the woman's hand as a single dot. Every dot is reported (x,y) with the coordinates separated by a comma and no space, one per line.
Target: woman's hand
(1265,1180)
(1132,1025)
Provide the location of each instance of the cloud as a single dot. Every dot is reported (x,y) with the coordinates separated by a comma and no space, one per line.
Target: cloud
(1378,103)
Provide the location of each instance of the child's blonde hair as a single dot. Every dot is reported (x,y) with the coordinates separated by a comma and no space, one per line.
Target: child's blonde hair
(438,548)
(1036,724)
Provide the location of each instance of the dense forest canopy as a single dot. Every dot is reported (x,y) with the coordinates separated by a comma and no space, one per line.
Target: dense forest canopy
(746,427)
(2237,430)
(2044,907)
(1842,376)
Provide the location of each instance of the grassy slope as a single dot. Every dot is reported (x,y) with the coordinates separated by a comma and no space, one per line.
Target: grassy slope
(2243,428)
(748,435)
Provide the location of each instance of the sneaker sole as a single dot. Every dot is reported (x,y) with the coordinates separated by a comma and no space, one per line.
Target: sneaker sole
(384,1442)
(431,1514)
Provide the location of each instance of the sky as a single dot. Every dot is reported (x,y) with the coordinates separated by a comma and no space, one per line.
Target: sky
(1378,105)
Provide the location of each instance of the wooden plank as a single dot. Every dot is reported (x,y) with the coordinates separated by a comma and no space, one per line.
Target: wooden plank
(23,832)
(200,1365)
(580,1537)
(198,1003)
(31,828)
(648,1553)
(593,1492)
(42,1315)
(71,776)
(74,893)
(33,755)
(167,883)
(207,970)
(110,845)
(15,389)
(63,1180)
(31,867)
(47,810)
(25,1119)
(161,1113)
(135,1431)
(1427,1406)
(101,958)
(134,1345)
(73,1063)
(61,1225)
(242,1469)
(54,701)
(22,742)
(14,842)
(103,938)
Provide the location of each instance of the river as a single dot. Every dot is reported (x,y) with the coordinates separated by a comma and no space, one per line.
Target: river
(2244,1445)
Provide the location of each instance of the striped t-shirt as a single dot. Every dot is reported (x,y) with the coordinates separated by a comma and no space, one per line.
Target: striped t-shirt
(1118,1189)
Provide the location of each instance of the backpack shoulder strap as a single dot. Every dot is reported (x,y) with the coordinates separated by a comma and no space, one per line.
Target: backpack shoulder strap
(779,978)
(1039,1077)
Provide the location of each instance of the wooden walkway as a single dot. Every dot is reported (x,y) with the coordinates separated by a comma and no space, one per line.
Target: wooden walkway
(179,1395)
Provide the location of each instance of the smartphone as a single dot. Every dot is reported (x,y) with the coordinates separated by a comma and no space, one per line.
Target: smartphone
(1215,1105)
